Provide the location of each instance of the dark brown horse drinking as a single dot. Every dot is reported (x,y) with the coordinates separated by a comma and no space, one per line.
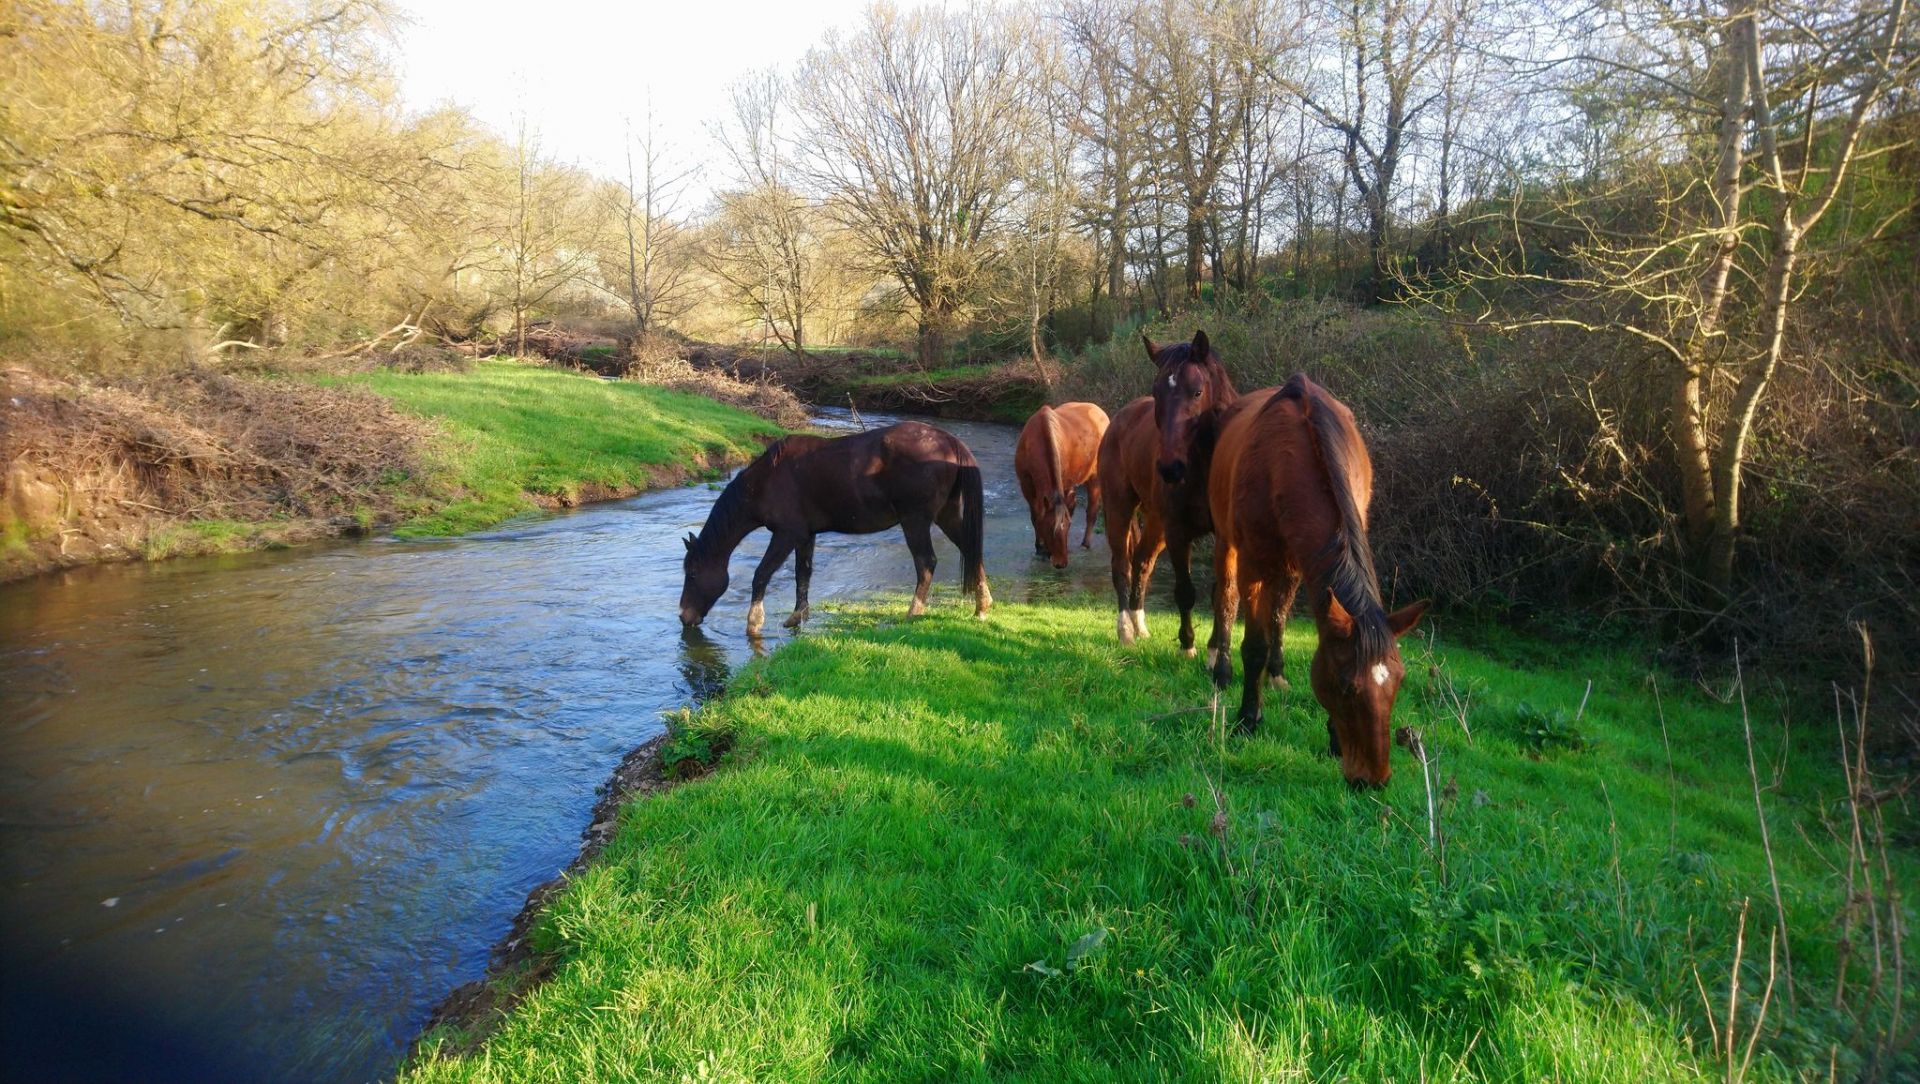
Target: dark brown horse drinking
(908,474)
(1058,450)
(1154,461)
(1290,486)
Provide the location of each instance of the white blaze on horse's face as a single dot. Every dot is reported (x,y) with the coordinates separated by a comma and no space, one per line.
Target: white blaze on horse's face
(1379,673)
(1170,381)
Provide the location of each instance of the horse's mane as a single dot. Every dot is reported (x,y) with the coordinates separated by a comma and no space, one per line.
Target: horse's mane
(733,508)
(1348,557)
(1050,433)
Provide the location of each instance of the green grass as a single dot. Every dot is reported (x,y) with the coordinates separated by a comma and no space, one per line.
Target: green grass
(517,431)
(946,849)
(210,536)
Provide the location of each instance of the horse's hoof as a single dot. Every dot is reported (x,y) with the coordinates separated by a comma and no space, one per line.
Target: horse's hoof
(756,619)
(1123,628)
(917,608)
(1246,725)
(795,619)
(1279,681)
(1188,651)
(1222,671)
(1139,619)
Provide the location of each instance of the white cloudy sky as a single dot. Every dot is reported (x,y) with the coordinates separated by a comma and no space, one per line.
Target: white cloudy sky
(576,69)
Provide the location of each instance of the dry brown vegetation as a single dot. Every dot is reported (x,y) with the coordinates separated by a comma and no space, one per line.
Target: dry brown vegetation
(192,460)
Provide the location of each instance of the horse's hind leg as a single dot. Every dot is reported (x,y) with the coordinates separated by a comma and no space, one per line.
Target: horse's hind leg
(770,562)
(1093,511)
(951,524)
(1226,599)
(920,544)
(1254,654)
(1148,543)
(802,579)
(1121,533)
(1282,606)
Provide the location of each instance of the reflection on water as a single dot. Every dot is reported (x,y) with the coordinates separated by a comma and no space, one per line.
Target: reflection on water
(268,809)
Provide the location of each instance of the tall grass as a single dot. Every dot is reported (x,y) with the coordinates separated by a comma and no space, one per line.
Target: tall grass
(948,849)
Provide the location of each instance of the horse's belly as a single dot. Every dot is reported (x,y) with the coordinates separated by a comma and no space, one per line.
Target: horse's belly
(858,521)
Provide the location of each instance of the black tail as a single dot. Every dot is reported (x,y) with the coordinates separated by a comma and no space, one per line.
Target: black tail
(973,529)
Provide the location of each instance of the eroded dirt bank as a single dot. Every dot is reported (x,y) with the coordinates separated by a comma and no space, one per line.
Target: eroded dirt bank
(192,461)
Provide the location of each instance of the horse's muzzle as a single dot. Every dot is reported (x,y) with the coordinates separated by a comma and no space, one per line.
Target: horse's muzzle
(688,617)
(1173,473)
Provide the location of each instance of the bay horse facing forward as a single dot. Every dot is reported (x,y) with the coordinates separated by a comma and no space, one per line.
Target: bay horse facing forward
(1058,450)
(1290,486)
(911,475)
(1154,460)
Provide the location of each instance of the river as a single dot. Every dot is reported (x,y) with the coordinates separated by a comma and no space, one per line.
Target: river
(258,814)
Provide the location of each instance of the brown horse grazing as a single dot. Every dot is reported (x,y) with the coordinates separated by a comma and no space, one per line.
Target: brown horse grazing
(1290,487)
(908,474)
(1058,449)
(1154,460)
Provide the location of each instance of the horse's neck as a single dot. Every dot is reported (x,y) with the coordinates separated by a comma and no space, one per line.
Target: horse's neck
(740,521)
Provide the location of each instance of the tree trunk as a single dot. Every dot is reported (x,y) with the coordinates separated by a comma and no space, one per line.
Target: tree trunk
(1731,455)
(1196,251)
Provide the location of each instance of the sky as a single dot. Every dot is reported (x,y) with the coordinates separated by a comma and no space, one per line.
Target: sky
(577,69)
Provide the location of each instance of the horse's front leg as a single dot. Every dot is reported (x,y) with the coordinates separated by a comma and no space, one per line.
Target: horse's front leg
(920,543)
(802,578)
(776,555)
(1180,551)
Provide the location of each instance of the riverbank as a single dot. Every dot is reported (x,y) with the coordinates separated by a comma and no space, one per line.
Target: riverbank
(1024,853)
(201,461)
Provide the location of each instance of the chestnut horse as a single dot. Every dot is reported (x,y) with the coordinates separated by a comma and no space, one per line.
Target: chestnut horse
(1058,449)
(1154,460)
(909,474)
(1290,486)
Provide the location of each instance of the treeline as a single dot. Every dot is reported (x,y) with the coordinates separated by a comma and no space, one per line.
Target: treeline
(1676,242)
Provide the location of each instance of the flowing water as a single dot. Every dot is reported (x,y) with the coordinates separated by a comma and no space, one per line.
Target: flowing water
(258,814)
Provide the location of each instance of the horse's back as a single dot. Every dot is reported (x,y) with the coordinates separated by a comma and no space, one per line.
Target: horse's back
(1082,427)
(1271,470)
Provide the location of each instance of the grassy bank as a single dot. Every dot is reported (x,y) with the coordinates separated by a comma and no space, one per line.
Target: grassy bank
(520,436)
(949,849)
(201,461)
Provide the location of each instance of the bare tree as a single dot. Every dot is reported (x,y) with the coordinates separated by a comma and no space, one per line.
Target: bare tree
(548,237)
(1102,52)
(1698,259)
(657,243)
(1201,65)
(1376,97)
(914,127)
(766,244)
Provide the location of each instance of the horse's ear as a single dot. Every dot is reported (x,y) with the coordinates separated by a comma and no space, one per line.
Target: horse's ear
(1153,348)
(1201,347)
(1337,616)
(690,540)
(1402,620)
